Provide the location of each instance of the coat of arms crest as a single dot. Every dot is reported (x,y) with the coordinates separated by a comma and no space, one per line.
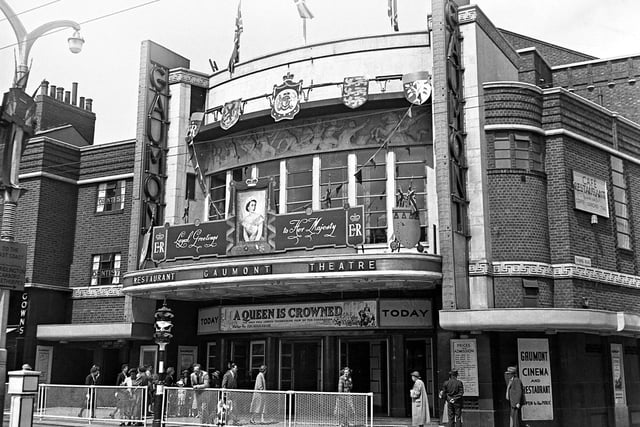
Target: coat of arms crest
(355,91)
(417,87)
(285,102)
(231,112)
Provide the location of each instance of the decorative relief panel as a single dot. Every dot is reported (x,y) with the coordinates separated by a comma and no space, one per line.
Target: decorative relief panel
(333,133)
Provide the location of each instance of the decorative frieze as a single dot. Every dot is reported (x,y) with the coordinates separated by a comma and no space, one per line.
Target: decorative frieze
(97,292)
(553,271)
(184,76)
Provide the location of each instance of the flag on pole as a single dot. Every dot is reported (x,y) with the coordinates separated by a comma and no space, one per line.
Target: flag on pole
(235,54)
(305,14)
(392,11)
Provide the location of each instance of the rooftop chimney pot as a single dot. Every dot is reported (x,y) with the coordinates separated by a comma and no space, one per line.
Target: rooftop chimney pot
(74,93)
(89,104)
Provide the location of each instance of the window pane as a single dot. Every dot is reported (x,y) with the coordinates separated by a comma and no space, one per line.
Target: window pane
(111,196)
(333,180)
(624,241)
(218,191)
(411,176)
(191,187)
(619,195)
(503,154)
(618,179)
(272,169)
(502,144)
(371,193)
(503,164)
(299,180)
(616,164)
(105,269)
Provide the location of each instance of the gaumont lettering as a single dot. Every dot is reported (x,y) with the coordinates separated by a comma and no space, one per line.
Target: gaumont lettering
(534,356)
(249,270)
(307,228)
(154,278)
(196,239)
(336,266)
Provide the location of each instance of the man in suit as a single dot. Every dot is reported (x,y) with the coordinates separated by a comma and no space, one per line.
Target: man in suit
(229,381)
(453,390)
(515,395)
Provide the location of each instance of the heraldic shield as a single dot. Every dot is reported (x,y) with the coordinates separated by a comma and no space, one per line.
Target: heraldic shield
(406,226)
(417,87)
(231,112)
(355,91)
(286,99)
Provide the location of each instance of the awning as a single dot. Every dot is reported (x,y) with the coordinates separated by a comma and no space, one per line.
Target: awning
(95,332)
(550,320)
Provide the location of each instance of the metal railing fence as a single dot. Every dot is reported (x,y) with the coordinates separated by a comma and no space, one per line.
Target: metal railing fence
(92,403)
(211,407)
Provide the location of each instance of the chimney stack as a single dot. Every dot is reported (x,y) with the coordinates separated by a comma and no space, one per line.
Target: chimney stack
(67,97)
(44,88)
(52,91)
(89,103)
(59,93)
(74,93)
(81,102)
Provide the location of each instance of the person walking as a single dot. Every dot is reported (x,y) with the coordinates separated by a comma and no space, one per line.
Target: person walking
(121,399)
(419,403)
(452,391)
(258,399)
(514,395)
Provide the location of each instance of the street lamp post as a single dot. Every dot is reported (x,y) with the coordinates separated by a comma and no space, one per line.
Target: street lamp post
(162,336)
(17,116)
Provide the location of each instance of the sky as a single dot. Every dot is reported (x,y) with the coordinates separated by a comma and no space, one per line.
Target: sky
(107,68)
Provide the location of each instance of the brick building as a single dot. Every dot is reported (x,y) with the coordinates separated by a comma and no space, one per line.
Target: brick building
(523,165)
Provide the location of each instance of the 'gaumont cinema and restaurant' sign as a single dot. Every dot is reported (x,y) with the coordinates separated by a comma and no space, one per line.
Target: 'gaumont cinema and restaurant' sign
(368,314)
(326,228)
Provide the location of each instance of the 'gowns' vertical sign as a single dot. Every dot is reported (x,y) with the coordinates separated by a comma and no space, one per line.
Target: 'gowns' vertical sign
(535,372)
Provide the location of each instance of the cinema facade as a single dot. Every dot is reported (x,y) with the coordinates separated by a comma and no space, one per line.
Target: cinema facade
(413,201)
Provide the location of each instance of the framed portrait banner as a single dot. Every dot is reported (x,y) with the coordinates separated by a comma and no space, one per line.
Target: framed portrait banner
(252,209)
(617,370)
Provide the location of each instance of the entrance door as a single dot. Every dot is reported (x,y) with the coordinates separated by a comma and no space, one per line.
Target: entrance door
(368,362)
(419,357)
(301,365)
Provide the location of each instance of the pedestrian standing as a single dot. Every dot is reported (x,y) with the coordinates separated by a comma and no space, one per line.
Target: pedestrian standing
(258,399)
(225,410)
(199,382)
(91,380)
(121,399)
(419,403)
(514,395)
(344,409)
(453,390)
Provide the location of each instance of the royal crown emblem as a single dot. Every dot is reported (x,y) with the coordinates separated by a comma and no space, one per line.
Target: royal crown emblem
(285,100)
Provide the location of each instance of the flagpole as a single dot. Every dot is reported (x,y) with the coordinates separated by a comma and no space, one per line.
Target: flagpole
(304,30)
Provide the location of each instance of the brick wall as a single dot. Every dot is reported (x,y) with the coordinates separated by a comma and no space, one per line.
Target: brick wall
(553,54)
(97,310)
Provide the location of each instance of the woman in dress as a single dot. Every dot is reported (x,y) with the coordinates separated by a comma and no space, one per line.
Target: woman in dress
(252,222)
(258,399)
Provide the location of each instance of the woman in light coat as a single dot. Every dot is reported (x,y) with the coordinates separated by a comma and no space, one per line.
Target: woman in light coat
(419,403)
(258,399)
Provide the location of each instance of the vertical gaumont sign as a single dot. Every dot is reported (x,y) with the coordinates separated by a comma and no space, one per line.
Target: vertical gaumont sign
(152,143)
(590,194)
(534,363)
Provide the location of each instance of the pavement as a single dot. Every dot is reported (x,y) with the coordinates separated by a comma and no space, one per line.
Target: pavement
(377,422)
